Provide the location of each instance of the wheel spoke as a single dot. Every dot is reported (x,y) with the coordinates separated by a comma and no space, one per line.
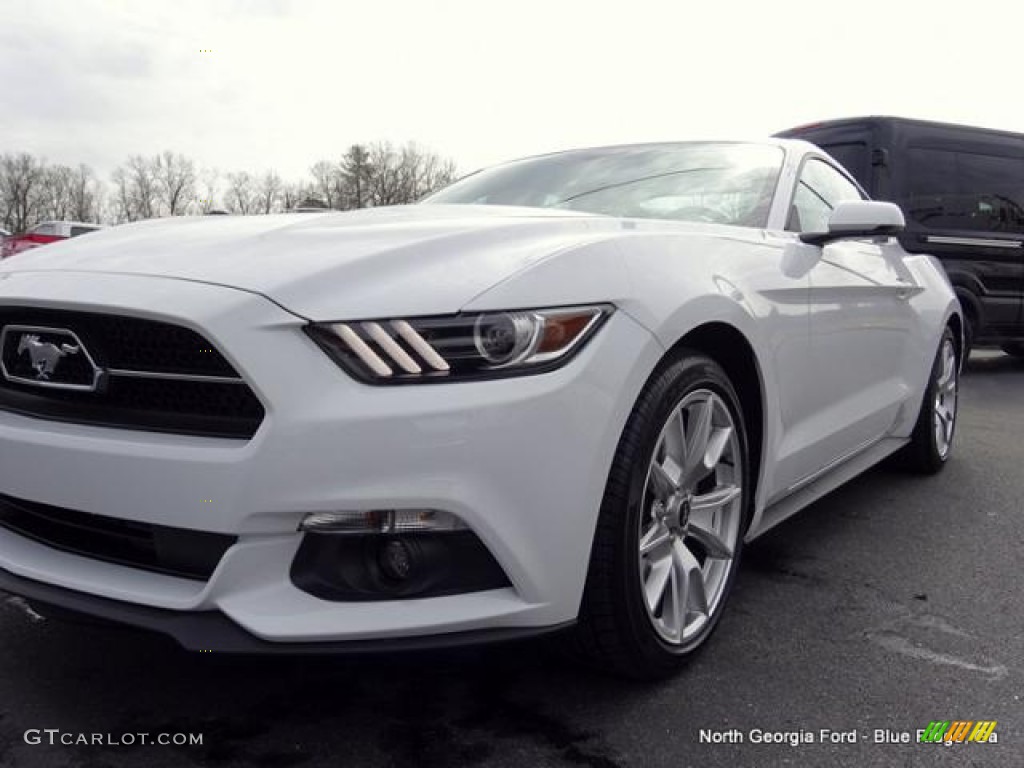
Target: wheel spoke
(690,576)
(673,611)
(674,439)
(657,581)
(710,541)
(716,447)
(697,447)
(947,368)
(712,500)
(665,477)
(655,536)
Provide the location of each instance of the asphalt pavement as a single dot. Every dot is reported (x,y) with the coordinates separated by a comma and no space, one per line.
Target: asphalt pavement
(894,602)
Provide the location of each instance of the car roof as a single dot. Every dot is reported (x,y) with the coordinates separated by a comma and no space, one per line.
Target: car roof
(72,223)
(908,121)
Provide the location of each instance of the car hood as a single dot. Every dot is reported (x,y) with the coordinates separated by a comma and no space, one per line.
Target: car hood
(409,260)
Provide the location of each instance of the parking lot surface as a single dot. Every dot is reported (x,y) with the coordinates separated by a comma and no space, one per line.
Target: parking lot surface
(891,603)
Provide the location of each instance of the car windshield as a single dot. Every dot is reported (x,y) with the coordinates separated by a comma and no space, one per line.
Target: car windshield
(722,183)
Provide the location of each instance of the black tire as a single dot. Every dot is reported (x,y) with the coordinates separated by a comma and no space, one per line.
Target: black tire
(969,324)
(1014,348)
(969,305)
(615,630)
(923,454)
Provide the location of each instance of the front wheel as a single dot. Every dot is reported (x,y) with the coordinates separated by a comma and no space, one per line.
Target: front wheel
(671,525)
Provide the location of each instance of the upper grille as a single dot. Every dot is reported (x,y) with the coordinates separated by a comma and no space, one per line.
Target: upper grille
(159,548)
(152,376)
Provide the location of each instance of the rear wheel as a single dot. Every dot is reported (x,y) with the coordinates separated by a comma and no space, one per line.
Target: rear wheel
(969,319)
(670,530)
(932,439)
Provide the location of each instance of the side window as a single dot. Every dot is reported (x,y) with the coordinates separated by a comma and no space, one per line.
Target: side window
(820,188)
(44,229)
(965,190)
(853,156)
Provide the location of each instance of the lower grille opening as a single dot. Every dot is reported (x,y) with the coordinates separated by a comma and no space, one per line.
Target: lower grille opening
(207,409)
(158,548)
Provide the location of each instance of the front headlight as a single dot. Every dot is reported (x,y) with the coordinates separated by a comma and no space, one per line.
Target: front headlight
(472,345)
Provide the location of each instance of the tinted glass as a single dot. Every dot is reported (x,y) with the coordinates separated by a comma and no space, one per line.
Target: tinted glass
(853,157)
(724,183)
(820,189)
(965,190)
(76,231)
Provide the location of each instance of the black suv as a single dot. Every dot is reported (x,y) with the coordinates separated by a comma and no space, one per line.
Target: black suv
(962,191)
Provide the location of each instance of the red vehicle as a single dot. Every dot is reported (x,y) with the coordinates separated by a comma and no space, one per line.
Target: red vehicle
(43,233)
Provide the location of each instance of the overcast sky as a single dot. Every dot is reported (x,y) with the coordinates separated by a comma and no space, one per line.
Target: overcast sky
(257,84)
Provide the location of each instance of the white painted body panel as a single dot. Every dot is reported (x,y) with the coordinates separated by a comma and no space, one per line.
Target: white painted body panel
(844,338)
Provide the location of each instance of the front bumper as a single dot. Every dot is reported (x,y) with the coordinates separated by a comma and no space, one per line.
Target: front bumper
(523,462)
(212,632)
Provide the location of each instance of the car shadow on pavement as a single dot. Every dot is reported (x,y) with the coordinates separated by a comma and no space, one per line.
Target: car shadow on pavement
(991,362)
(438,708)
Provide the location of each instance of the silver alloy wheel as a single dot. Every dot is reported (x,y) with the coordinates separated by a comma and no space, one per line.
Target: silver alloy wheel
(691,515)
(944,418)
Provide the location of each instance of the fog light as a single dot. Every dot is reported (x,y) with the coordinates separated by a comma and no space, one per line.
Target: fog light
(381,521)
(395,560)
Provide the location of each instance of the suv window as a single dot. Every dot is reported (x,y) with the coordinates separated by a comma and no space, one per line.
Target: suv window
(965,190)
(820,188)
(44,229)
(853,156)
(76,231)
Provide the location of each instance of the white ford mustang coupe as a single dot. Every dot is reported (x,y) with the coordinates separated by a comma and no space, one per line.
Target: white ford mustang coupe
(559,394)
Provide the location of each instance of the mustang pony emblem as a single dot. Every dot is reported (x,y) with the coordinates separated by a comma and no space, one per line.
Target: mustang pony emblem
(45,356)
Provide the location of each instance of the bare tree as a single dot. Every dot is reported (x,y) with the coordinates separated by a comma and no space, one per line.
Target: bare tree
(293,194)
(268,192)
(121,208)
(171,184)
(326,182)
(209,186)
(137,189)
(86,195)
(385,187)
(395,176)
(241,195)
(21,177)
(142,173)
(426,172)
(55,192)
(175,177)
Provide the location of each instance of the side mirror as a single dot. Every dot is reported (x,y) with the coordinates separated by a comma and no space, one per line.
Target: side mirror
(859,218)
